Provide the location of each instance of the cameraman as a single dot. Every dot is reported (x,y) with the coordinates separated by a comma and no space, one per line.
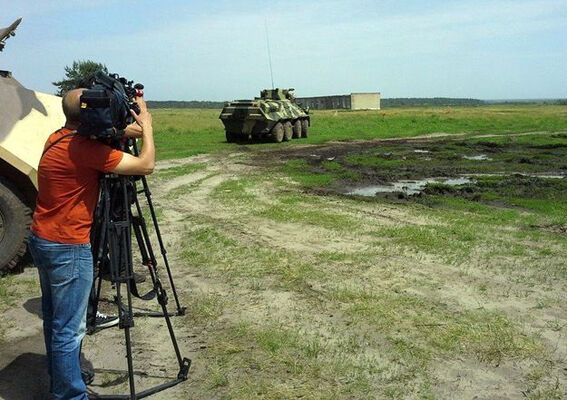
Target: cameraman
(68,180)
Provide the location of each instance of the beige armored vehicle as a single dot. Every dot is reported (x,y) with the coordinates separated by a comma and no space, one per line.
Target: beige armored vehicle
(26,120)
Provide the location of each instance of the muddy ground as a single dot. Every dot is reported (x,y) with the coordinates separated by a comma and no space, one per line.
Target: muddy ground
(386,161)
(325,280)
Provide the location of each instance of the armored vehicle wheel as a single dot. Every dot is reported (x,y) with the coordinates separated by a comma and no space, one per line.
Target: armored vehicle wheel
(14,223)
(297,129)
(231,137)
(288,131)
(277,133)
(304,128)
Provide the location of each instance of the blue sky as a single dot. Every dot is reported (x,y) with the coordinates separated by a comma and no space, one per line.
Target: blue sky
(216,50)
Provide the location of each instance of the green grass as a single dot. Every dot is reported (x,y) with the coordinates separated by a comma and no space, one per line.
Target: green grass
(301,171)
(340,171)
(320,218)
(12,290)
(186,132)
(386,337)
(204,308)
(181,190)
(432,330)
(457,239)
(219,253)
(295,310)
(237,191)
(348,125)
(181,170)
(284,362)
(307,293)
(509,197)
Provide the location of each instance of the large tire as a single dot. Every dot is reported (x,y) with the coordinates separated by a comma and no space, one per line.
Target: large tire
(297,126)
(288,131)
(304,128)
(231,137)
(277,133)
(15,219)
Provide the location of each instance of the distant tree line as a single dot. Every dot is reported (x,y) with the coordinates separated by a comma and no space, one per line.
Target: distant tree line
(431,101)
(560,102)
(185,104)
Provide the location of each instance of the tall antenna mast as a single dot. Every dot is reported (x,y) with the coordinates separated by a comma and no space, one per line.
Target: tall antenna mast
(269,52)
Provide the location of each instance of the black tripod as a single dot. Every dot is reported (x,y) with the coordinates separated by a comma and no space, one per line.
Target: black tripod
(118,214)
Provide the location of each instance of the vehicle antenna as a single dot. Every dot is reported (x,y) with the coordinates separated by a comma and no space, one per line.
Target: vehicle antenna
(269,52)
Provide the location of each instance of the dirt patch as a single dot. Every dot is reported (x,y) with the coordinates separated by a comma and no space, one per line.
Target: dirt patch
(472,380)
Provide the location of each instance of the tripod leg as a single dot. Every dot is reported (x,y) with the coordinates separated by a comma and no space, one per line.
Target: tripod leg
(119,270)
(99,242)
(120,254)
(125,323)
(142,238)
(146,191)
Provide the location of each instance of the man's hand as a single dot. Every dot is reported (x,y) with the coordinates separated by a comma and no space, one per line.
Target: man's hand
(145,162)
(135,129)
(144,119)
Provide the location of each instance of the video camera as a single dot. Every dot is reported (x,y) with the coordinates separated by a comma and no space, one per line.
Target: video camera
(106,105)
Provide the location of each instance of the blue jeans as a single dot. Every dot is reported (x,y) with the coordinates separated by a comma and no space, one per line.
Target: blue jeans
(66,277)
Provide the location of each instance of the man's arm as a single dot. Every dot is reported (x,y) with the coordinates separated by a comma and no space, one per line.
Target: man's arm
(145,162)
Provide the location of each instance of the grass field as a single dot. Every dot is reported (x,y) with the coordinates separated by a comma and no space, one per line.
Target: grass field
(453,294)
(182,133)
(296,289)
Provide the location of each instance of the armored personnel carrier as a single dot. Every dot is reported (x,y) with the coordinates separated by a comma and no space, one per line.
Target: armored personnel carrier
(26,120)
(275,115)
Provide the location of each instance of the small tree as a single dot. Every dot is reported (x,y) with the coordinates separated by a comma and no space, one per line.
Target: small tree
(78,75)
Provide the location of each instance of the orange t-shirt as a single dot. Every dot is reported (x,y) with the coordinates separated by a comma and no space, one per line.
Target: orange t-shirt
(68,180)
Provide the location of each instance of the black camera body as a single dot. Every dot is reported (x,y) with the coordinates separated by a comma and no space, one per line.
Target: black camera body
(106,105)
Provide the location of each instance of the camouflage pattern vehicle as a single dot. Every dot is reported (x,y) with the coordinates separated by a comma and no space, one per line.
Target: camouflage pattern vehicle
(26,120)
(274,115)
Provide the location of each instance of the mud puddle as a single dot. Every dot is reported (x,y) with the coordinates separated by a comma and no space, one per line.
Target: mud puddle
(480,157)
(407,187)
(503,167)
